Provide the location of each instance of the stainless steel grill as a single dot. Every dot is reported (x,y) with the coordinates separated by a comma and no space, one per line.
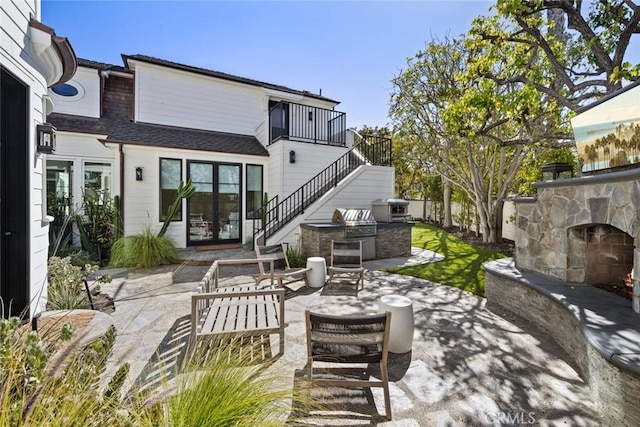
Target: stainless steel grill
(359,225)
(357,222)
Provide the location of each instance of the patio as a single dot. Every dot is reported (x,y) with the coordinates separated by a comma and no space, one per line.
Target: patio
(470,364)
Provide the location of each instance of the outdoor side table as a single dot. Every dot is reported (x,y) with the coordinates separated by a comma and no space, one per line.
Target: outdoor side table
(318,274)
(401,331)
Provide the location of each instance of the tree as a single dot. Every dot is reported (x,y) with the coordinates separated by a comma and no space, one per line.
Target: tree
(469,127)
(584,51)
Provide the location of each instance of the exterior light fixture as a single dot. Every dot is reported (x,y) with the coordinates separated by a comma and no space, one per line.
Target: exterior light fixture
(292,156)
(46,135)
(553,171)
(138,173)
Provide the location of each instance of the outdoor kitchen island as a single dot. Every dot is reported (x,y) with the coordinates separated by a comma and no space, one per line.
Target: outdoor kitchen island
(392,239)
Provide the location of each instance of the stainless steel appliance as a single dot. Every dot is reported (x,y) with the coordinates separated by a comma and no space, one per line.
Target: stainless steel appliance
(359,225)
(390,210)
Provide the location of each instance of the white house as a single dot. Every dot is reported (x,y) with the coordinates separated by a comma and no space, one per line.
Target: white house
(137,130)
(32,59)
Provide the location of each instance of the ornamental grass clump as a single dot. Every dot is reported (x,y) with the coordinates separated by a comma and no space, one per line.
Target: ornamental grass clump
(60,384)
(229,388)
(57,384)
(143,250)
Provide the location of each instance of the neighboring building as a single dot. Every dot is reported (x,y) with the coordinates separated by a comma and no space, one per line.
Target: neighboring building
(32,59)
(137,130)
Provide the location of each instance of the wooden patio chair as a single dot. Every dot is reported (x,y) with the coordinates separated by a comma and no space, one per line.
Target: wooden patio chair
(282,270)
(346,261)
(349,340)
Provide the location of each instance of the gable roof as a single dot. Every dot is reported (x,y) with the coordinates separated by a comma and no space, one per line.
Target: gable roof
(220,75)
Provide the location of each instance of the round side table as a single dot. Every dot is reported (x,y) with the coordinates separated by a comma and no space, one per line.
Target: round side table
(401,333)
(318,274)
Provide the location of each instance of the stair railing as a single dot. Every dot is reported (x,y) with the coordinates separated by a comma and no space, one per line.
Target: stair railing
(275,214)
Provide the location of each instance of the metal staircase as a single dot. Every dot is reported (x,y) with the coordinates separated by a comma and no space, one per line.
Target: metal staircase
(275,214)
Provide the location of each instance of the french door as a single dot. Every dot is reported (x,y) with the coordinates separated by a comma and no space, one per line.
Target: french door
(214,210)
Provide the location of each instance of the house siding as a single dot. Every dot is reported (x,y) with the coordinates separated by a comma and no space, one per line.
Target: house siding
(142,198)
(178,98)
(16,57)
(87,102)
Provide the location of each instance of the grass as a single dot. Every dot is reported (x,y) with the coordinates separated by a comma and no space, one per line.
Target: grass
(462,263)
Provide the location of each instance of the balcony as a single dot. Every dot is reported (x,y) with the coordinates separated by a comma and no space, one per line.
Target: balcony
(305,123)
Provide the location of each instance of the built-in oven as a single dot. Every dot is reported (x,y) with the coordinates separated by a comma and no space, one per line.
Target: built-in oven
(390,210)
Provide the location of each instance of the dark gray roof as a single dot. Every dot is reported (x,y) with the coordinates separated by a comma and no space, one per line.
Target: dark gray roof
(184,138)
(128,132)
(100,65)
(66,122)
(220,75)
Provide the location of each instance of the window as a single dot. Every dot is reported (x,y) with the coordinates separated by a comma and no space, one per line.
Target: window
(254,190)
(65,90)
(97,179)
(170,176)
(59,188)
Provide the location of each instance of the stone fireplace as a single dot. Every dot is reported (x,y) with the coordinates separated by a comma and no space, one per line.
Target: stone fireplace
(582,230)
(576,233)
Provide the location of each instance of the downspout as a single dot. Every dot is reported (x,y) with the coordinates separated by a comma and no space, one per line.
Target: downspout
(122,204)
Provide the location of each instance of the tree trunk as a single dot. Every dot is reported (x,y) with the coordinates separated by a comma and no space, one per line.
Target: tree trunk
(448,222)
(424,208)
(498,219)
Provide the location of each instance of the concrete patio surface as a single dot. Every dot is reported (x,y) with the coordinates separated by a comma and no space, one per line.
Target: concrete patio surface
(470,364)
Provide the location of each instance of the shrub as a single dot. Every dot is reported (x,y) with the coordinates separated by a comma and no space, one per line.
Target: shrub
(39,387)
(297,258)
(96,226)
(143,250)
(66,289)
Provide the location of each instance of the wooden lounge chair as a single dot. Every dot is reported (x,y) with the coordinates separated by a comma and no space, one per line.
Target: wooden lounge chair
(346,261)
(237,310)
(349,340)
(282,270)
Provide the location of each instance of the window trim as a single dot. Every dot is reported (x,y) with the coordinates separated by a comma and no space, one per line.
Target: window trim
(179,217)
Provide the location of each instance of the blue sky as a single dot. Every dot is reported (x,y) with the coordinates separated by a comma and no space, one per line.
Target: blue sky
(349,49)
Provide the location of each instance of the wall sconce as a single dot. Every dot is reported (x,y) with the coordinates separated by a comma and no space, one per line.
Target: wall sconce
(46,135)
(138,173)
(292,156)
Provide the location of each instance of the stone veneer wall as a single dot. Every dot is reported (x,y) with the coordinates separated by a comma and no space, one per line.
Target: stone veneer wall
(544,224)
(615,391)
(393,240)
(317,241)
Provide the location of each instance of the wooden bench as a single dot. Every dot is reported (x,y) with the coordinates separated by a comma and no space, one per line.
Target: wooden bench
(237,310)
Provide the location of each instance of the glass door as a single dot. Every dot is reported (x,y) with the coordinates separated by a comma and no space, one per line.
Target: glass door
(200,228)
(229,201)
(214,209)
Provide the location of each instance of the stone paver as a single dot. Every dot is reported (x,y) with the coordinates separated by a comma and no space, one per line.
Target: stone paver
(469,365)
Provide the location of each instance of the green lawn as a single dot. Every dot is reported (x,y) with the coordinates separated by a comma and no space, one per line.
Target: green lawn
(462,263)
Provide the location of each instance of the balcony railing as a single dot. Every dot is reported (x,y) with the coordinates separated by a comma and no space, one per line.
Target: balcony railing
(307,124)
